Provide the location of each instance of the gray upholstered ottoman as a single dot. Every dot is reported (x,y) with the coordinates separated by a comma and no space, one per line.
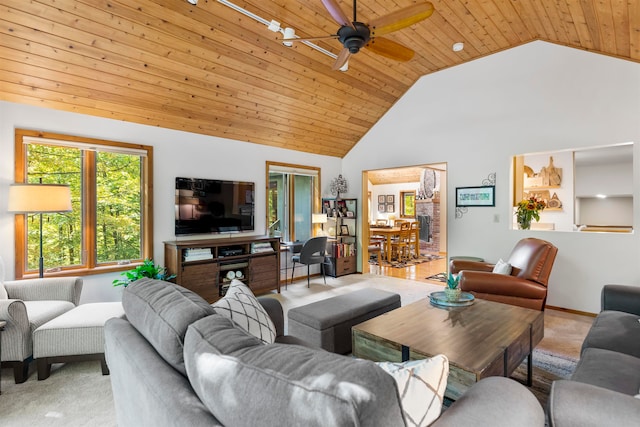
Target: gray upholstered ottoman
(76,335)
(328,323)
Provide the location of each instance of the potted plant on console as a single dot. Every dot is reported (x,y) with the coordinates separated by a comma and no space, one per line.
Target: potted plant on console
(452,291)
(146,269)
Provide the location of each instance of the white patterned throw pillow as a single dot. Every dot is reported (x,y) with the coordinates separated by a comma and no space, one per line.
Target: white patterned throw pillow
(240,305)
(502,267)
(421,385)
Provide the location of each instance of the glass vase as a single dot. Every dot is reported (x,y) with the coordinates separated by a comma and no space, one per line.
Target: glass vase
(524,224)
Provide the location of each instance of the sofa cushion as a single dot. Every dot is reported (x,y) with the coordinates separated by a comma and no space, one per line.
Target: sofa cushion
(421,384)
(246,383)
(40,312)
(161,312)
(616,331)
(609,369)
(240,305)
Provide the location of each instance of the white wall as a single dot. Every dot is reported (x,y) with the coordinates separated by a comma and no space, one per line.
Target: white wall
(175,154)
(389,189)
(476,116)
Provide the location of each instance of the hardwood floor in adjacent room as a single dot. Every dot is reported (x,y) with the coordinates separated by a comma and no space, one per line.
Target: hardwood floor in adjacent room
(418,272)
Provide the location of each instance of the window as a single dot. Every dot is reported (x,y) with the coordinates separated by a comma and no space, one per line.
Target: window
(407,204)
(111,222)
(293,194)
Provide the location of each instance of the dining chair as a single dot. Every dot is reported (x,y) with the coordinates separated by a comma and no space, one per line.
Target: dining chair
(313,252)
(401,245)
(414,238)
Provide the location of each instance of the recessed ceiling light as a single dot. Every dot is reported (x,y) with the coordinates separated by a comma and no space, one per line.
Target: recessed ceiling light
(457,47)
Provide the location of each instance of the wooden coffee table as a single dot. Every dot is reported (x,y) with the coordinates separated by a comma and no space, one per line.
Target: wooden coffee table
(482,340)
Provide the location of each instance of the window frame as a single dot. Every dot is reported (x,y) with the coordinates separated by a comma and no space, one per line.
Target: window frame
(89,265)
(291,169)
(404,194)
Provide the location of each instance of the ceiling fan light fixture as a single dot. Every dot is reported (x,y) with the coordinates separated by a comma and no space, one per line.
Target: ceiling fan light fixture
(457,47)
(289,33)
(193,2)
(345,67)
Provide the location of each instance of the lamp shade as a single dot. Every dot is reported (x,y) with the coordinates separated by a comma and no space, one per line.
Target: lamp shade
(39,198)
(318,218)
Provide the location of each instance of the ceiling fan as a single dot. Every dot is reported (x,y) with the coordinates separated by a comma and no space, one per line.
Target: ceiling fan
(355,35)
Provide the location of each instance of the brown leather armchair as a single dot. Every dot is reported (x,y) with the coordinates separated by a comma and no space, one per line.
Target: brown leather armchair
(526,286)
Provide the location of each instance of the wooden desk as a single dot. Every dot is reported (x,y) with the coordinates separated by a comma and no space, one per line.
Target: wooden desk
(389,232)
(482,340)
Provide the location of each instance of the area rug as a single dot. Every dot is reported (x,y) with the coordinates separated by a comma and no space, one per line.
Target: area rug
(547,367)
(401,264)
(440,277)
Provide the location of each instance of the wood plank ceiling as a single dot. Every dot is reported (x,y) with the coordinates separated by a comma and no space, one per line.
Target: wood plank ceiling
(211,70)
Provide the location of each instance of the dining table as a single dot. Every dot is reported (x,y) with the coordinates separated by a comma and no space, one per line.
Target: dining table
(389,232)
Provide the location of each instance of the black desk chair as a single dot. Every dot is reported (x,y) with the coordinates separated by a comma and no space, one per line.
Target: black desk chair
(312,252)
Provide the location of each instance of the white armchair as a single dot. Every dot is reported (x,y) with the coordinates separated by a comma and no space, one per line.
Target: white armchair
(31,303)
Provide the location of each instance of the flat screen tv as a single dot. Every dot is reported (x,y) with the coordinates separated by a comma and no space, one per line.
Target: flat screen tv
(206,206)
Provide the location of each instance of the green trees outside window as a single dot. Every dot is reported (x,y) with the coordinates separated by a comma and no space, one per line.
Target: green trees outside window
(110,221)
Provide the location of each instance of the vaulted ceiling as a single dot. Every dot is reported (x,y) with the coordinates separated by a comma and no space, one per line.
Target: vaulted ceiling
(212,70)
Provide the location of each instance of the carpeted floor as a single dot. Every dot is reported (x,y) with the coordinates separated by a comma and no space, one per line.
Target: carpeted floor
(76,394)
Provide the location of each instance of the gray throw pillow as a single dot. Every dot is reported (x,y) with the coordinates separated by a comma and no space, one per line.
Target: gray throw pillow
(246,383)
(161,312)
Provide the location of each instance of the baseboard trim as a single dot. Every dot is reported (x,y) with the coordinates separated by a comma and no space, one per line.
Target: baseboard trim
(569,310)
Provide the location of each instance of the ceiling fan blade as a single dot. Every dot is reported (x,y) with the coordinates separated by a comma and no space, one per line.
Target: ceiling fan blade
(337,13)
(400,19)
(308,39)
(342,59)
(390,49)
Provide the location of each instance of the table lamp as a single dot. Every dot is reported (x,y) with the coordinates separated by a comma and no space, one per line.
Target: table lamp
(319,218)
(39,198)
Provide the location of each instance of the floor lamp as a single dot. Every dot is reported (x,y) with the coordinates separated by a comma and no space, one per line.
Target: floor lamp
(40,199)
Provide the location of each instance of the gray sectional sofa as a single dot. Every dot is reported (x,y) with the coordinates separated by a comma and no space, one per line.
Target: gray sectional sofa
(602,389)
(160,359)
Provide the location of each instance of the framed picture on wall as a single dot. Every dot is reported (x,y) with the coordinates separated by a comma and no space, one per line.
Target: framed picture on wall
(476,196)
(390,208)
(390,198)
(381,198)
(382,208)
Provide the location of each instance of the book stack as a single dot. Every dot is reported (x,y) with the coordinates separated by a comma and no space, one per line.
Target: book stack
(197,254)
(259,247)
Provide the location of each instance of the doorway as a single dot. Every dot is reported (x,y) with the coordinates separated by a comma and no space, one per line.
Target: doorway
(414,194)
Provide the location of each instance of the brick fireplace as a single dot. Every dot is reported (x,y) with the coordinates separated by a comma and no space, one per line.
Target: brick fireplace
(428,210)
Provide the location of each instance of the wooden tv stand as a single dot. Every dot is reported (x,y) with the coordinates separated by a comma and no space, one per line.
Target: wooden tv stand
(208,266)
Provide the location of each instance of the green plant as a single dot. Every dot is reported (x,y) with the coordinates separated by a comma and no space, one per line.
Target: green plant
(146,269)
(453,281)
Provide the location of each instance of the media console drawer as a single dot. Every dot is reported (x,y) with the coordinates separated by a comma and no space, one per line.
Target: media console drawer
(202,279)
